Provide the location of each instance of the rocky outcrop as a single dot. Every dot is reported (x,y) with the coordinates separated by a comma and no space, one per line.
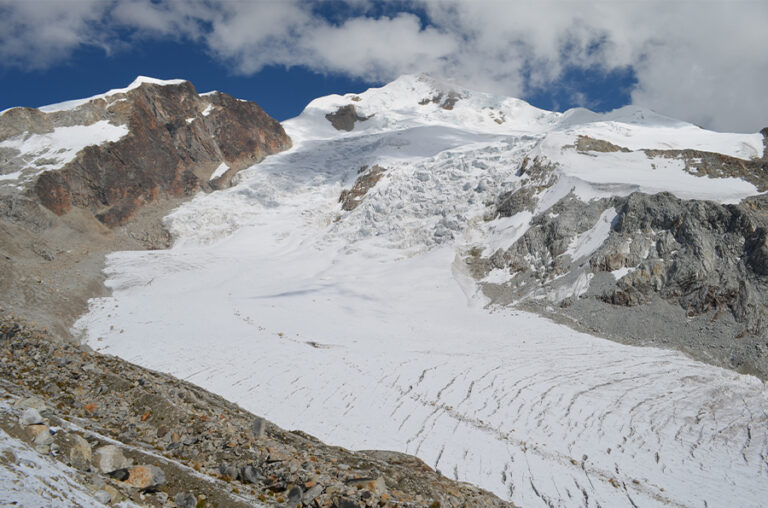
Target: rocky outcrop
(368,178)
(344,118)
(764,132)
(445,100)
(696,162)
(175,142)
(57,225)
(687,273)
(132,434)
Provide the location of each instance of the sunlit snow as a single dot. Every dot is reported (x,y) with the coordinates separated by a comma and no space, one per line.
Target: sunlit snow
(365,329)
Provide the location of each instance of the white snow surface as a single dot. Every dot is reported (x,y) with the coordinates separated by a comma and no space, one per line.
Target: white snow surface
(589,241)
(219,171)
(369,333)
(28,479)
(52,150)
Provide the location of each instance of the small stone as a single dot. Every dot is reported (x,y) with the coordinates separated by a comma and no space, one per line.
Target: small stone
(228,470)
(145,477)
(31,417)
(42,434)
(377,486)
(248,474)
(103,497)
(257,427)
(312,493)
(113,493)
(185,500)
(30,403)
(110,458)
(80,454)
(119,474)
(294,497)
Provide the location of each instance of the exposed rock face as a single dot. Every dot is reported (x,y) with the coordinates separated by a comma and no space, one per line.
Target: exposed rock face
(764,132)
(445,100)
(696,271)
(368,178)
(176,140)
(344,118)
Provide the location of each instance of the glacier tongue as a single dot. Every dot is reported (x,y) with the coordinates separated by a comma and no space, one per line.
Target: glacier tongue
(362,327)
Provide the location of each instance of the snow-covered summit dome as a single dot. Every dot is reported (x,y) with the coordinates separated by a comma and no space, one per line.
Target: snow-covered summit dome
(413,100)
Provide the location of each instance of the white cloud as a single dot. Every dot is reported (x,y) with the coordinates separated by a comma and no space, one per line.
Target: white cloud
(37,34)
(699,60)
(378,49)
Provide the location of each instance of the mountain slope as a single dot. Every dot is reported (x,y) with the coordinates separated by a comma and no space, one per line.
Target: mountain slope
(366,320)
(83,178)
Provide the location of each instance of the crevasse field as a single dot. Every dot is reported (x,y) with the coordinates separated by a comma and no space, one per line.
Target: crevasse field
(365,329)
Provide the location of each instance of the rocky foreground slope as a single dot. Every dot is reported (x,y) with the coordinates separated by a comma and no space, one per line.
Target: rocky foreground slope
(123,433)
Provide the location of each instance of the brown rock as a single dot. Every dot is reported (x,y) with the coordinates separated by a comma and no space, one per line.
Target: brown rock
(170,151)
(145,477)
(368,178)
(41,434)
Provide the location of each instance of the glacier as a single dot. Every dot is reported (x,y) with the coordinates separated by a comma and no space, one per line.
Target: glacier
(366,329)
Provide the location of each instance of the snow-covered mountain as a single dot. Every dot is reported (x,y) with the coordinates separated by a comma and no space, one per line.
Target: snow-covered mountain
(434,270)
(374,285)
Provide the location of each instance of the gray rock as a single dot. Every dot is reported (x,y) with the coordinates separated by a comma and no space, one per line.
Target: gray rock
(185,500)
(249,474)
(344,118)
(294,497)
(121,474)
(80,453)
(258,427)
(312,493)
(30,403)
(103,497)
(31,416)
(228,470)
(110,458)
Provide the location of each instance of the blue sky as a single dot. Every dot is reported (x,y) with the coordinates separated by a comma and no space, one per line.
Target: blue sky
(697,60)
(282,92)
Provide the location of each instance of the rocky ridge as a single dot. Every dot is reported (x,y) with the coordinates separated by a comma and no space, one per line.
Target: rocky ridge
(687,274)
(176,141)
(129,434)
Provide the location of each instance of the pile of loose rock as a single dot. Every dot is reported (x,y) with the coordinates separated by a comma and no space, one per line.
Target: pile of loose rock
(142,436)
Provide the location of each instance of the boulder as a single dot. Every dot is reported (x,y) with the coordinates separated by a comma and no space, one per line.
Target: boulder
(145,477)
(80,453)
(31,416)
(185,500)
(110,458)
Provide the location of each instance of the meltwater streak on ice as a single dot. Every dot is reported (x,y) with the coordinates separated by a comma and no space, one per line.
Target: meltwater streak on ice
(366,333)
